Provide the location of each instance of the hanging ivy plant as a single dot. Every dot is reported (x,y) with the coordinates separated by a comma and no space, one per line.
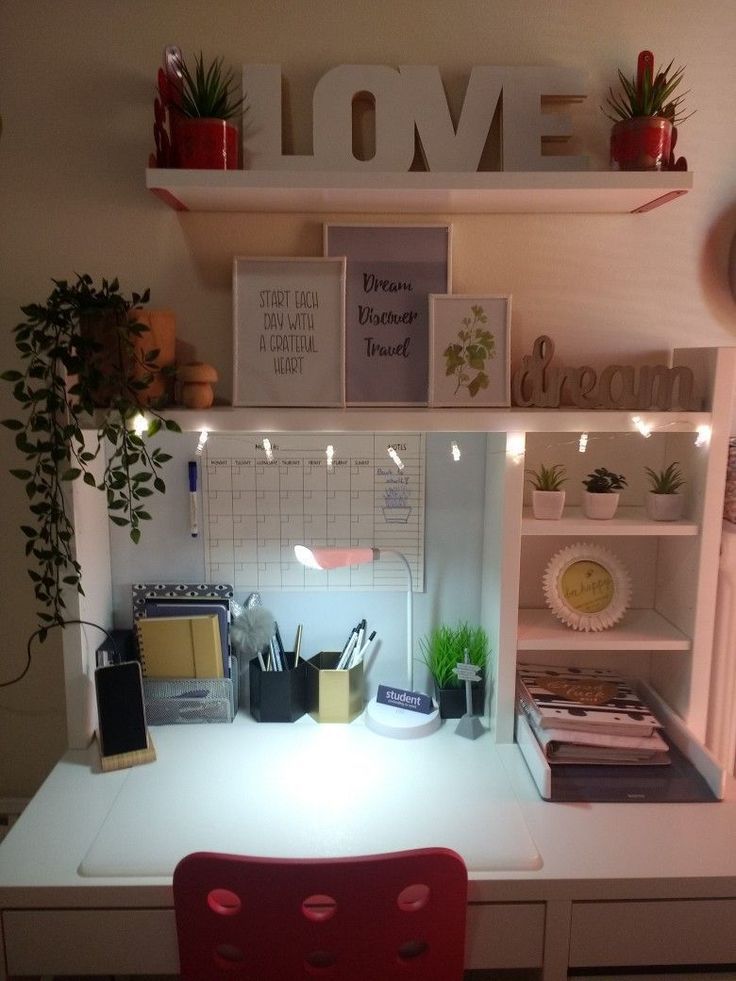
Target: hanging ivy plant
(79,351)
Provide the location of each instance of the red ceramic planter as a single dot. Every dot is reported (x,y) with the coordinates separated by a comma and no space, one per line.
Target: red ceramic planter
(205,144)
(641,143)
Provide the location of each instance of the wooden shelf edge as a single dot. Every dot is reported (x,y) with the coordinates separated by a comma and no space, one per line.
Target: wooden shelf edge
(497,192)
(629,521)
(233,419)
(639,630)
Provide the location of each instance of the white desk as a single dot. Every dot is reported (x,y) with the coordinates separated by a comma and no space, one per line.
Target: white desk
(85,874)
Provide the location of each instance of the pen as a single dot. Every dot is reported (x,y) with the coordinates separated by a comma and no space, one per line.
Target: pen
(346,654)
(365,648)
(353,633)
(193,522)
(361,634)
(277,635)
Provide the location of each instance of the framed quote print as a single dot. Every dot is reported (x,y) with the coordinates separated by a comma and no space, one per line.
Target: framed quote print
(587,587)
(391,270)
(289,331)
(469,362)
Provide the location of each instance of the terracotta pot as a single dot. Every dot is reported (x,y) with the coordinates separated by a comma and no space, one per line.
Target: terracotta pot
(600,506)
(641,143)
(548,504)
(161,337)
(205,144)
(101,326)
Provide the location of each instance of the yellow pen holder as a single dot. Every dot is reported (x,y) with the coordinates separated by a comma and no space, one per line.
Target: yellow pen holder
(332,695)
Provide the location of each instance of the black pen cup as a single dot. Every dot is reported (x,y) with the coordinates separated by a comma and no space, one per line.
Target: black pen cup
(278,696)
(333,696)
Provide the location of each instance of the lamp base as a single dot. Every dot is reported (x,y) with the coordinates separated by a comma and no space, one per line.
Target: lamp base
(398,723)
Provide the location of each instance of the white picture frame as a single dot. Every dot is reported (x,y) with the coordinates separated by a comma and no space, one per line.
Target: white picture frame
(288,331)
(391,271)
(469,350)
(587,587)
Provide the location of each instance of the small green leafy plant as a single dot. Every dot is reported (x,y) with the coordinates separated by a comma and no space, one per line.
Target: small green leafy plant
(667,481)
(466,358)
(647,94)
(548,478)
(444,647)
(208,91)
(603,481)
(67,365)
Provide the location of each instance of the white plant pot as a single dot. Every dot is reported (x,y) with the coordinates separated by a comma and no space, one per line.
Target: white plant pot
(600,506)
(548,504)
(664,507)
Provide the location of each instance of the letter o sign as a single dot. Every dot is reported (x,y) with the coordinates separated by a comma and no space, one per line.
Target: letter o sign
(333,119)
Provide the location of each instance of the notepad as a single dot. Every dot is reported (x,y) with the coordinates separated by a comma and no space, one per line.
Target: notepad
(180,647)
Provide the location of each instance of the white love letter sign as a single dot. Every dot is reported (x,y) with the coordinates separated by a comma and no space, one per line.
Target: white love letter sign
(410,97)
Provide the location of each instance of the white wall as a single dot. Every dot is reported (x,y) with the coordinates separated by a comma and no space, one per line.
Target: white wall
(76,92)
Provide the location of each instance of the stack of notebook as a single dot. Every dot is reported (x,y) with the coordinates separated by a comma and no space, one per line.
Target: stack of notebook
(588,716)
(586,735)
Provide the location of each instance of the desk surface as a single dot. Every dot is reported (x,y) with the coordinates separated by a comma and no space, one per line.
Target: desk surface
(90,837)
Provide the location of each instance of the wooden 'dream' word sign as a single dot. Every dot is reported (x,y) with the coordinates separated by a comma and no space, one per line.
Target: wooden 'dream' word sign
(537,383)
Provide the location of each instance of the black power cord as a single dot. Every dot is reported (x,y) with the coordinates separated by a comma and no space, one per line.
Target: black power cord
(44,630)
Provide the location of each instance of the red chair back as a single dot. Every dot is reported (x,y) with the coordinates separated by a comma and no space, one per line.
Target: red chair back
(371,918)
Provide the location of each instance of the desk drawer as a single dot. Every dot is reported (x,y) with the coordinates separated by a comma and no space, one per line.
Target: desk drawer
(90,941)
(687,931)
(504,935)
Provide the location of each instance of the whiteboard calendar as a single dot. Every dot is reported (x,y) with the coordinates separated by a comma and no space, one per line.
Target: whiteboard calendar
(315,489)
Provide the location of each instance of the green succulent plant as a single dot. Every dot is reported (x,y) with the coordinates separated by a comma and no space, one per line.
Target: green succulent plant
(603,481)
(647,94)
(444,647)
(548,478)
(207,92)
(667,481)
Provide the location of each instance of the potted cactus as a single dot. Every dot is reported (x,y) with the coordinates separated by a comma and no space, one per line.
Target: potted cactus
(548,497)
(644,114)
(601,495)
(200,102)
(664,501)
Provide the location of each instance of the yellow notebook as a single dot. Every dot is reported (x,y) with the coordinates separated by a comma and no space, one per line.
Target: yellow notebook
(180,647)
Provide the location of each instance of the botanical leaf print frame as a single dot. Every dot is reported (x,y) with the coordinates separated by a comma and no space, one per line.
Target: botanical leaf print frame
(469,350)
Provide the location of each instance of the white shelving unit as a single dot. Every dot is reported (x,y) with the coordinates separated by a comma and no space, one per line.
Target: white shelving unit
(538,192)
(674,565)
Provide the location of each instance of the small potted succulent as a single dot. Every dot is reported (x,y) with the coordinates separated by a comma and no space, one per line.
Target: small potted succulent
(200,102)
(644,114)
(600,498)
(664,501)
(442,650)
(548,497)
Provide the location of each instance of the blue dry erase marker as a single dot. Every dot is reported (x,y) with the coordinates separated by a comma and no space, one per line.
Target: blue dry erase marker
(193,523)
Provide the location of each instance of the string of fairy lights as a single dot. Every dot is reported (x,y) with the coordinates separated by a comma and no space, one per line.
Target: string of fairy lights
(515,443)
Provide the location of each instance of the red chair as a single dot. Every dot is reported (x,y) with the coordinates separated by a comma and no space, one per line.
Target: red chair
(371,918)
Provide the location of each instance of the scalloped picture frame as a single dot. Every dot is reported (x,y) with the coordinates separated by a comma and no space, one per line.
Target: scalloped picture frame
(587,587)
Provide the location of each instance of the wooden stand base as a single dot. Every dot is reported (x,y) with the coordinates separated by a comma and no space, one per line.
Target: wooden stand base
(134,758)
